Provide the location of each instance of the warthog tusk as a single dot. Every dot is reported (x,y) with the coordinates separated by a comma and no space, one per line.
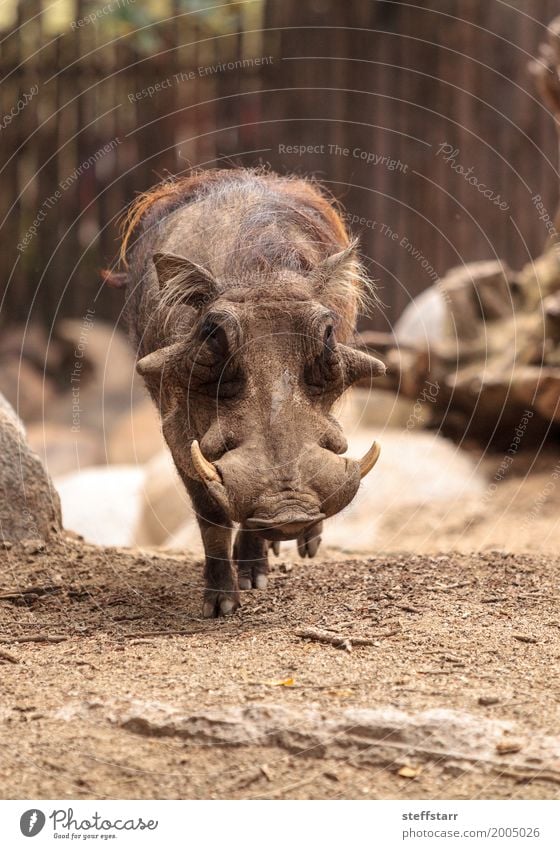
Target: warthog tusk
(206,471)
(369,459)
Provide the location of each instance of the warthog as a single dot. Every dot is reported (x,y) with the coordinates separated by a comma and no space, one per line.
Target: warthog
(242,291)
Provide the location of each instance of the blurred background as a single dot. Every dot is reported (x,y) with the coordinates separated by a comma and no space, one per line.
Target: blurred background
(387,78)
(432,122)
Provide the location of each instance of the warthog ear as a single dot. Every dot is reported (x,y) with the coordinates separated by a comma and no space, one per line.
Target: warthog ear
(338,270)
(358,365)
(184,281)
(340,282)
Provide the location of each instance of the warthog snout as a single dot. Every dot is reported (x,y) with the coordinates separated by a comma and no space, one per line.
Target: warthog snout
(323,484)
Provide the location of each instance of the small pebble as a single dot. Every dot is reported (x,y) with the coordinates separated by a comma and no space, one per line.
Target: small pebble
(33,546)
(488,700)
(508,747)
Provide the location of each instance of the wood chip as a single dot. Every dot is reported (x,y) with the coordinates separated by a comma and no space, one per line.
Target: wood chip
(36,638)
(409,771)
(17,593)
(435,671)
(527,776)
(178,633)
(508,747)
(33,546)
(486,701)
(266,772)
(6,655)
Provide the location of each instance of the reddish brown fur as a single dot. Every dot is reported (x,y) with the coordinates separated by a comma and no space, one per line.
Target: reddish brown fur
(165,196)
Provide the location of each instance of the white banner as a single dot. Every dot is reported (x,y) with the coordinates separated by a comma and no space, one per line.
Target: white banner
(283,824)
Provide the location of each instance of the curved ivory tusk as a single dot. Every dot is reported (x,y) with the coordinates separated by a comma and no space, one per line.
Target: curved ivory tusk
(206,471)
(369,459)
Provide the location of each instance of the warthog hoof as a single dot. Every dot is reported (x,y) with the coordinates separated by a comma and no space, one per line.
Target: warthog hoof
(256,581)
(218,603)
(309,541)
(251,554)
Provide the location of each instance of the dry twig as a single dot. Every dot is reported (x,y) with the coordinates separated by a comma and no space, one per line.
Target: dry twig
(7,595)
(36,638)
(342,642)
(6,655)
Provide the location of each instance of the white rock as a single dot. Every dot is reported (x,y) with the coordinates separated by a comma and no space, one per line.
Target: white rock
(102,503)
(414,469)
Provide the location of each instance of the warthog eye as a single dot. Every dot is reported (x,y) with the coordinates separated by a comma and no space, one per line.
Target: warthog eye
(216,338)
(329,340)
(323,373)
(214,372)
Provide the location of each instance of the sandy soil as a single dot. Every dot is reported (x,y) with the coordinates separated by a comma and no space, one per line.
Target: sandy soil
(112,685)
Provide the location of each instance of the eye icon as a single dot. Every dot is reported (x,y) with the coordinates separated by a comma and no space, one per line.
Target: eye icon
(32,822)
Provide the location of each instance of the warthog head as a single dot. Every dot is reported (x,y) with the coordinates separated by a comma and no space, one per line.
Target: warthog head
(253,373)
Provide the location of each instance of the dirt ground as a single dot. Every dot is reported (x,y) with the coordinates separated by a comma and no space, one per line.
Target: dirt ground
(424,676)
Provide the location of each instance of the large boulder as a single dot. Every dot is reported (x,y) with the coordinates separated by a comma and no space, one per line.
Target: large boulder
(102,503)
(165,506)
(63,451)
(136,436)
(495,355)
(29,504)
(30,391)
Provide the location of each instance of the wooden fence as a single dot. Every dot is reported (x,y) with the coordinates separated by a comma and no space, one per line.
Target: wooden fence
(99,115)
(383,101)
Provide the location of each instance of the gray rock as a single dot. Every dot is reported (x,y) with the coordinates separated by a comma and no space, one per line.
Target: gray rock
(382,736)
(29,504)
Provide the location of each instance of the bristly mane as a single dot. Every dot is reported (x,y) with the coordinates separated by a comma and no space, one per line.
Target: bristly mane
(287,223)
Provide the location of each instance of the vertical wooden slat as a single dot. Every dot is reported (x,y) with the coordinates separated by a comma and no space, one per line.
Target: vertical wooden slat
(26,161)
(194,121)
(11,137)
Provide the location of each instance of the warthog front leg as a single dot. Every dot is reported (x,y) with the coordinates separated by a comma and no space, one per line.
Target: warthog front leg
(309,541)
(221,595)
(251,554)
